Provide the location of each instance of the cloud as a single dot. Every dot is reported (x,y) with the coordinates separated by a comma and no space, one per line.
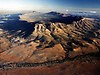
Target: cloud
(93,12)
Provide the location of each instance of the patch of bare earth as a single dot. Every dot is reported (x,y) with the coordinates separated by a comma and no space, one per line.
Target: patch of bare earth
(76,67)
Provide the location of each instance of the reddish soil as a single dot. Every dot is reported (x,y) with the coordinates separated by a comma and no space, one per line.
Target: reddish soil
(75,67)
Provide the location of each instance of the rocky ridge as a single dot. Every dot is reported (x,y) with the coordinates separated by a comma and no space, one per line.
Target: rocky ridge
(52,42)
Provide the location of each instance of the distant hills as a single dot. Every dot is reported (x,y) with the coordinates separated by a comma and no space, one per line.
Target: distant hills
(50,17)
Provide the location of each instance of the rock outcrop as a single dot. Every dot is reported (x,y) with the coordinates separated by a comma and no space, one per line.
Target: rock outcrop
(29,53)
(53,41)
(77,38)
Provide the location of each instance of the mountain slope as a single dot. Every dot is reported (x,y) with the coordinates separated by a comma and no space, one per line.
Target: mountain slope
(53,41)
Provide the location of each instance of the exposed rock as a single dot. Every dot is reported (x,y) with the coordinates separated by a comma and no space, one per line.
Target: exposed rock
(29,53)
(77,49)
(53,40)
(89,48)
(48,54)
(4,44)
(19,53)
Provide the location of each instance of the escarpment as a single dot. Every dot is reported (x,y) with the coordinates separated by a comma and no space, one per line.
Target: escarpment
(52,41)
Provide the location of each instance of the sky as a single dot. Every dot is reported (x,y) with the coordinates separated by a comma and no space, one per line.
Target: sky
(50,5)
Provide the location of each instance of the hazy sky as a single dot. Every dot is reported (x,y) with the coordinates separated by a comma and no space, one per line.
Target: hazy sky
(47,5)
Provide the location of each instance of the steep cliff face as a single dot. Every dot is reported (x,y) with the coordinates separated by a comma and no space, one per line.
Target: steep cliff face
(55,41)
(76,37)
(84,29)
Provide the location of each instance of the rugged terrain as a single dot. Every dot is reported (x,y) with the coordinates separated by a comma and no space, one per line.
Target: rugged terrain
(61,39)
